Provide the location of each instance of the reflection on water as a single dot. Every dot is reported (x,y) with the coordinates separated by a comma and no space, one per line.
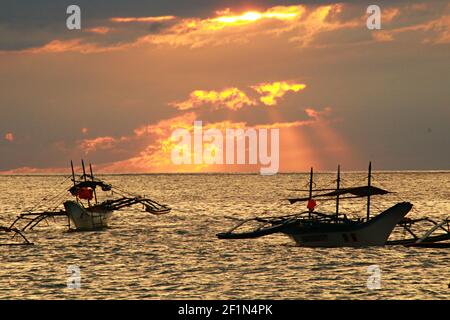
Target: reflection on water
(177,256)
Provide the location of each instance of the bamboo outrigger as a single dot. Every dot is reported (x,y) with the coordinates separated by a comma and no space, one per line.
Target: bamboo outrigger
(427,240)
(14,237)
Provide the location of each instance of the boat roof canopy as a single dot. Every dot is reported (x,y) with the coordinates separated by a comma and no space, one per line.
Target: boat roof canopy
(363,191)
(90,184)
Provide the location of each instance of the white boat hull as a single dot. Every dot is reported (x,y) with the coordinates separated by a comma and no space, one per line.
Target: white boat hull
(86,219)
(372,233)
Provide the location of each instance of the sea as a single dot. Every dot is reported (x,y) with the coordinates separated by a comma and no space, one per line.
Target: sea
(178,256)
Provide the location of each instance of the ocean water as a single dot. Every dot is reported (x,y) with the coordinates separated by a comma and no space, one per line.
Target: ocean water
(177,256)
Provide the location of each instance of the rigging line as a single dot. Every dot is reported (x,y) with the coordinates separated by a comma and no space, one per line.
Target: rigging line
(58,202)
(55,201)
(38,204)
(51,201)
(396,195)
(124,193)
(67,178)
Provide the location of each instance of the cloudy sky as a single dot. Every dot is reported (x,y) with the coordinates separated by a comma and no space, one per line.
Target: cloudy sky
(114,91)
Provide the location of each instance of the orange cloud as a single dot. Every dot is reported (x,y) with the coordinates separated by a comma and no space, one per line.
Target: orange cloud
(301,23)
(156,156)
(142,19)
(382,36)
(225,27)
(320,20)
(436,31)
(389,14)
(75,45)
(98,30)
(9,137)
(235,99)
(278,13)
(100,143)
(318,115)
(231,98)
(441,28)
(271,92)
(30,170)
(184,121)
(298,24)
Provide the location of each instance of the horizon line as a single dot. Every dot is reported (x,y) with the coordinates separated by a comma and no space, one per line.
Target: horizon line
(235,173)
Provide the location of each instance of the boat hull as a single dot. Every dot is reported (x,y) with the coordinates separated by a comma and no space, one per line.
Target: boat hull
(375,232)
(86,219)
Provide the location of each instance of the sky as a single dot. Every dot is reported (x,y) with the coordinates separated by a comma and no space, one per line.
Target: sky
(114,91)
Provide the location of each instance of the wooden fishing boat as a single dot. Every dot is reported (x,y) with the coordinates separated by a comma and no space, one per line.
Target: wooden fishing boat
(320,229)
(85,212)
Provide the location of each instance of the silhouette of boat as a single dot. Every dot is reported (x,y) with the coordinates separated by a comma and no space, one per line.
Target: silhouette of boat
(317,229)
(85,213)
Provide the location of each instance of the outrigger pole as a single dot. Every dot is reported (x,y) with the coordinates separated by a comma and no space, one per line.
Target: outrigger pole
(368,195)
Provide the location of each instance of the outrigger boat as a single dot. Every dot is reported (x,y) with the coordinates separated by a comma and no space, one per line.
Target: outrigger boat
(318,229)
(94,215)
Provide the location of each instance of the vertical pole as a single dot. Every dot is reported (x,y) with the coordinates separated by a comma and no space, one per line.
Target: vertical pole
(92,178)
(74,183)
(73,172)
(85,179)
(338,185)
(310,189)
(368,194)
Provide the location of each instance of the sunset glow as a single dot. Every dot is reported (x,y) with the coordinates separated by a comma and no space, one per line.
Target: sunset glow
(122,84)
(224,151)
(142,19)
(231,98)
(9,137)
(278,13)
(272,91)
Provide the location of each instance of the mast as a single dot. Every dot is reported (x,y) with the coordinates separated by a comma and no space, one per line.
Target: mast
(92,179)
(85,178)
(310,189)
(73,172)
(74,183)
(338,183)
(369,179)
